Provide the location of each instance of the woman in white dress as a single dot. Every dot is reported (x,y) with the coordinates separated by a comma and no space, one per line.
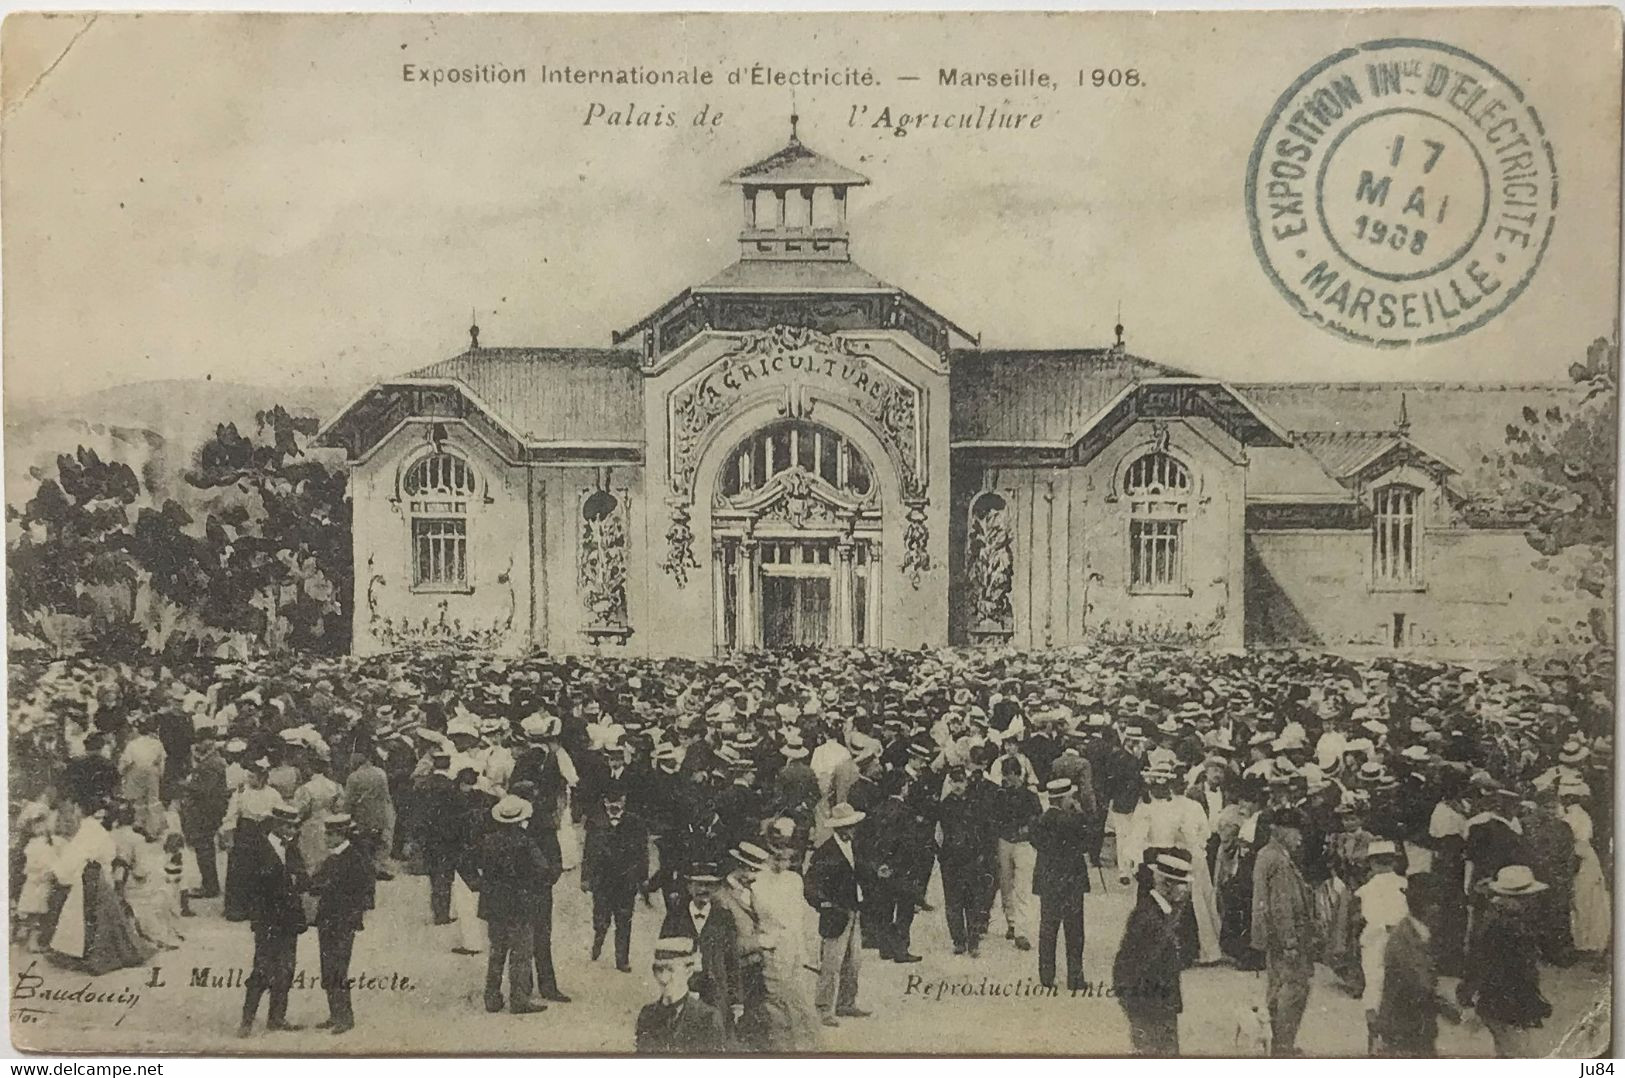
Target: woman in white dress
(1170,819)
(1591,910)
(784,924)
(149,895)
(314,800)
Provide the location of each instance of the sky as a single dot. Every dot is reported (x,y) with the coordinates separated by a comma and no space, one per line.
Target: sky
(263,199)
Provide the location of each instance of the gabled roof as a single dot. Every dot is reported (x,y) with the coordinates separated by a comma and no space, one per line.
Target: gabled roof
(1345,454)
(552,394)
(797,166)
(1046,395)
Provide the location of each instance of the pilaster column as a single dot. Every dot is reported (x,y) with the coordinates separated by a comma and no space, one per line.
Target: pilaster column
(845,607)
(749,634)
(719,594)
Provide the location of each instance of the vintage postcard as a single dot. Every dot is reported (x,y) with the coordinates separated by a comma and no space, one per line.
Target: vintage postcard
(1015,534)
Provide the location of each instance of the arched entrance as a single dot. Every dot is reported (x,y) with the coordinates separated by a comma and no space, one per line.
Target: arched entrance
(796,525)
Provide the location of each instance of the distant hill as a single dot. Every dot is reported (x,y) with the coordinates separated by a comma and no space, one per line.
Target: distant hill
(154,427)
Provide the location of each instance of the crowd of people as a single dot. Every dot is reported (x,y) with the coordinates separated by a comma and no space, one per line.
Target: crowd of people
(784,816)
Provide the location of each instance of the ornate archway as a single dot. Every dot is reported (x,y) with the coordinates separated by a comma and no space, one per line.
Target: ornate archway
(796,525)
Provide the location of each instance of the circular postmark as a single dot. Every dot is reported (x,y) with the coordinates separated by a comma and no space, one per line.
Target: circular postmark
(1401,192)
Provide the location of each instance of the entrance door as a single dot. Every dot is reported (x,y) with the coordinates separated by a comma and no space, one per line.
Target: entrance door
(795,611)
(797,592)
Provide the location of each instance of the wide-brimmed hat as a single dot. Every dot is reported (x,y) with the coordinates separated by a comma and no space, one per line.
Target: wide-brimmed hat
(1573,753)
(511,810)
(1515,880)
(844,815)
(1171,864)
(750,855)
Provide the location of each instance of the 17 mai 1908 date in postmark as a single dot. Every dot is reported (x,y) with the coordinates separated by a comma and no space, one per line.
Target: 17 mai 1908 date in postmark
(1402,192)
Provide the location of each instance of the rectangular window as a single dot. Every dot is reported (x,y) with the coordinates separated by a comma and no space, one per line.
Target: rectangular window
(1154,553)
(1394,535)
(439,552)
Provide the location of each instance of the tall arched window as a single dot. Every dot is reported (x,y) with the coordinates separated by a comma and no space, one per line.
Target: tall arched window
(1395,536)
(1158,489)
(437,490)
(814,449)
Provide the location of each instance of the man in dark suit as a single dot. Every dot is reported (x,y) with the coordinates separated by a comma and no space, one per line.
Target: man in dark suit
(1409,1008)
(968,856)
(204,798)
(679,1022)
(1060,880)
(341,885)
(891,842)
(1146,972)
(615,868)
(512,874)
(716,941)
(833,888)
(545,837)
(276,913)
(441,825)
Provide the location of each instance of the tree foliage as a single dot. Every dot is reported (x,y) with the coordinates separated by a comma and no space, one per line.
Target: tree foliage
(98,559)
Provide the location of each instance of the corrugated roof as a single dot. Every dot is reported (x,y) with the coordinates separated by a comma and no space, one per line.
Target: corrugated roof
(1288,473)
(775,275)
(795,165)
(553,394)
(1038,395)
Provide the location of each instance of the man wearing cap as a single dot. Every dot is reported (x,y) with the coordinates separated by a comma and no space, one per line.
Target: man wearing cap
(1014,808)
(275,878)
(1284,928)
(511,875)
(615,868)
(1148,967)
(679,1022)
(1060,880)
(835,887)
(341,885)
(969,857)
(716,941)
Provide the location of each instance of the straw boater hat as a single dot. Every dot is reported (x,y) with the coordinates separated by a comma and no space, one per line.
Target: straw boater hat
(339,823)
(1058,787)
(1172,864)
(284,813)
(511,810)
(844,815)
(541,727)
(1380,847)
(1573,753)
(674,949)
(750,855)
(1515,880)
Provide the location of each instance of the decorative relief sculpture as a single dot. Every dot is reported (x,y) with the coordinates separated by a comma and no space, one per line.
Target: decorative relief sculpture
(916,540)
(679,546)
(812,358)
(989,555)
(602,563)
